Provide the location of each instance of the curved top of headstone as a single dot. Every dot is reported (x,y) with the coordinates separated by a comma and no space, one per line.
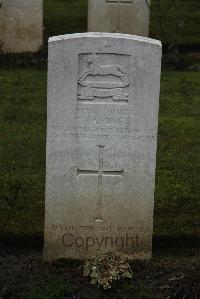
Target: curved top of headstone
(105,35)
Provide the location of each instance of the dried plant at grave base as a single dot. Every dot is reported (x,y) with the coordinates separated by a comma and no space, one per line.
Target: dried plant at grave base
(106,269)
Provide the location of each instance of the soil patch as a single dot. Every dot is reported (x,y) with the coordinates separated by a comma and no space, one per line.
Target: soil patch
(170,274)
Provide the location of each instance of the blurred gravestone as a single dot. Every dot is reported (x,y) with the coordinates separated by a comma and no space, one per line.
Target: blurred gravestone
(103,99)
(21,25)
(125,16)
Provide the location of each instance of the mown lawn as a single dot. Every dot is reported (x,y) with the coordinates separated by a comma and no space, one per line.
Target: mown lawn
(22,160)
(177,205)
(23,120)
(23,124)
(175,21)
(171,273)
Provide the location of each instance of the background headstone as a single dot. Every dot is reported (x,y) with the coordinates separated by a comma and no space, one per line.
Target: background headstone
(103,99)
(124,16)
(21,25)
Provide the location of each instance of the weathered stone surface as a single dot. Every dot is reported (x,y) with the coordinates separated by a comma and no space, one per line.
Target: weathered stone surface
(21,25)
(125,16)
(103,99)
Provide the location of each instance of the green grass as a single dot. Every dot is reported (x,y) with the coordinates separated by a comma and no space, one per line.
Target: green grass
(64,16)
(23,124)
(22,160)
(52,289)
(178,161)
(176,23)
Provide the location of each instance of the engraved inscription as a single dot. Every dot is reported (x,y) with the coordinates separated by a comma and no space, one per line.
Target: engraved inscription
(104,228)
(102,133)
(100,173)
(102,79)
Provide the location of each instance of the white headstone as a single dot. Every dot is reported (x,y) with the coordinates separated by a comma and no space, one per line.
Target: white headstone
(103,99)
(21,25)
(125,16)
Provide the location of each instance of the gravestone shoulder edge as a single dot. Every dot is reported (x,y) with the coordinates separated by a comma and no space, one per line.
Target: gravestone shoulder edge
(104,35)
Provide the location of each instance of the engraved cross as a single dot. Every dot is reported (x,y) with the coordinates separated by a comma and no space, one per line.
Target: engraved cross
(119,3)
(100,173)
